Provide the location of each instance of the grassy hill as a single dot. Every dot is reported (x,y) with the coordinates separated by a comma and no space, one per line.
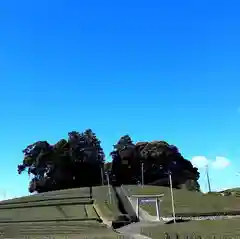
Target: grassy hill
(100,195)
(58,230)
(61,213)
(72,212)
(195,229)
(188,203)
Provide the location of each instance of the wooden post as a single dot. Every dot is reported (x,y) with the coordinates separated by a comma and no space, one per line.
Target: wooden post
(102,175)
(137,207)
(142,175)
(91,192)
(171,190)
(157,209)
(109,189)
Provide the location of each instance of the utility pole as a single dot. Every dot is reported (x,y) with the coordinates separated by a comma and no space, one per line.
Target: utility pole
(109,188)
(91,194)
(208,179)
(102,175)
(171,190)
(142,174)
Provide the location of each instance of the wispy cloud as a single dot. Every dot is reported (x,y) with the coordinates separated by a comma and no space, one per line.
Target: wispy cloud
(199,161)
(219,162)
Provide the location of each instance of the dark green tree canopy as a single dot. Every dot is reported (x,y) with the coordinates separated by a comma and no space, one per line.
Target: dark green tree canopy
(158,159)
(68,163)
(78,161)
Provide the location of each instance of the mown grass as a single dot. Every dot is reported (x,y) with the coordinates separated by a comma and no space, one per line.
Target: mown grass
(195,229)
(79,193)
(57,230)
(48,213)
(107,204)
(187,203)
(58,214)
(109,208)
(69,212)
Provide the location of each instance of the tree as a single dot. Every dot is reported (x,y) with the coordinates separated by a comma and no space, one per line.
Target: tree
(79,161)
(158,158)
(69,163)
(124,160)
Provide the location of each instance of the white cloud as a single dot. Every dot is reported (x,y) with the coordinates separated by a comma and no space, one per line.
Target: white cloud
(199,161)
(220,162)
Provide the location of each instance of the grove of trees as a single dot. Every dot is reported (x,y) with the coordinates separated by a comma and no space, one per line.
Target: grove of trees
(79,161)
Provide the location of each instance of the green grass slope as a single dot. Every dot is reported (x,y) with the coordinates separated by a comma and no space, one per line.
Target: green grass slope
(61,213)
(51,209)
(195,229)
(106,204)
(72,212)
(187,203)
(59,230)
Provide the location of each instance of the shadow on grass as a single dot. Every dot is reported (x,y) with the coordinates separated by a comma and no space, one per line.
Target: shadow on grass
(177,221)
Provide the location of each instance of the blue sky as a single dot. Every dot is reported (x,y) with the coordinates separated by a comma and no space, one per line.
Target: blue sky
(157,70)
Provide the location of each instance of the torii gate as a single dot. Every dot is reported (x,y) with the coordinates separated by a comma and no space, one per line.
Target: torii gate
(147,199)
